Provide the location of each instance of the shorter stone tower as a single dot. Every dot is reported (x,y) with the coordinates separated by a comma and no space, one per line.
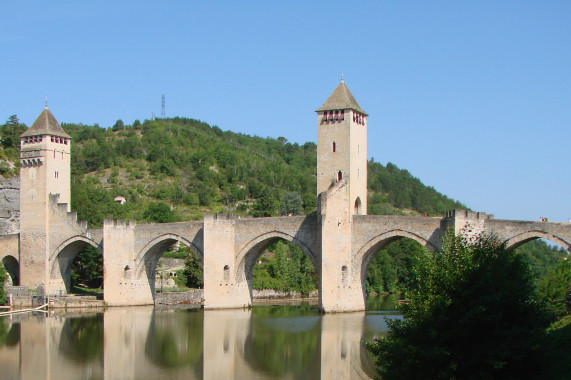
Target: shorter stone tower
(44,176)
(342,146)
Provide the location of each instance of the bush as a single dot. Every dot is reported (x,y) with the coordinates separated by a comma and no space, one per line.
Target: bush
(471,314)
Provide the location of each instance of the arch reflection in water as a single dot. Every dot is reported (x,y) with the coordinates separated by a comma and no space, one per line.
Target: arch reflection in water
(149,343)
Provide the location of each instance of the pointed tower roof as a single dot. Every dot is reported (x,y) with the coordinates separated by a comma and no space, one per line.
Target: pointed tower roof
(45,124)
(340,99)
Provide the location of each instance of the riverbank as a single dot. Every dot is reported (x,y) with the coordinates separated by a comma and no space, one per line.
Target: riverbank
(188,297)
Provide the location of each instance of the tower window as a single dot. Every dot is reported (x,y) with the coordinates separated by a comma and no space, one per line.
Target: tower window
(334,146)
(52,139)
(339,175)
(342,117)
(336,115)
(324,116)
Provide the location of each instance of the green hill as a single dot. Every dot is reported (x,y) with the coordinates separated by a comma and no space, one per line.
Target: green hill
(194,168)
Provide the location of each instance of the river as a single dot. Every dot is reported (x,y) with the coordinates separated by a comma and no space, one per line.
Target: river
(265,342)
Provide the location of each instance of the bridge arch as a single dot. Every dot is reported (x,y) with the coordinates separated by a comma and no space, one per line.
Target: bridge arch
(13,268)
(365,255)
(520,239)
(249,254)
(62,257)
(149,256)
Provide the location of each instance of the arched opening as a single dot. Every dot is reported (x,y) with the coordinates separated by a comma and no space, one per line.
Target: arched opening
(387,268)
(543,255)
(171,263)
(339,175)
(13,268)
(78,261)
(86,271)
(358,209)
(277,266)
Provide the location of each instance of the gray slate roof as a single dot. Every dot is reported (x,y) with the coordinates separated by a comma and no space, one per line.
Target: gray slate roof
(45,124)
(340,99)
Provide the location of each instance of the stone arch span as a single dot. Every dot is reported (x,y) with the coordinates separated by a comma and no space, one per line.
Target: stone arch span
(13,268)
(365,255)
(520,239)
(149,256)
(62,257)
(249,254)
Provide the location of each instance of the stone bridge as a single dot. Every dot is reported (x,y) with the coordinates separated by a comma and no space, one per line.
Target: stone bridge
(340,246)
(338,239)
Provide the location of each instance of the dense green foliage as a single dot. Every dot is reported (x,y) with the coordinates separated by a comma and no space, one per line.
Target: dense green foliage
(557,348)
(542,257)
(391,269)
(193,271)
(87,268)
(555,289)
(3,278)
(10,146)
(471,314)
(284,266)
(395,191)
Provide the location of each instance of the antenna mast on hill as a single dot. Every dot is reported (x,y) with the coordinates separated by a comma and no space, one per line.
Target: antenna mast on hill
(163,107)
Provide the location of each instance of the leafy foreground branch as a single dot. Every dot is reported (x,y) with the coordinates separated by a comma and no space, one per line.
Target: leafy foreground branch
(471,314)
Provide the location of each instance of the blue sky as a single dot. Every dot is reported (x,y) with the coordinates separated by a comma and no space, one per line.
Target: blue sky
(473,98)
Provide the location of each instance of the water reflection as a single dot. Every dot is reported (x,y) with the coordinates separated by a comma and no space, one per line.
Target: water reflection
(80,338)
(282,341)
(145,343)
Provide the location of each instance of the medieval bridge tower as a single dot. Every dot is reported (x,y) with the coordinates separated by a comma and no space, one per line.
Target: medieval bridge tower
(45,172)
(342,146)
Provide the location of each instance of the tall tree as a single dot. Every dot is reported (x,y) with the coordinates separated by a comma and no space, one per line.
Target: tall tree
(292,204)
(471,315)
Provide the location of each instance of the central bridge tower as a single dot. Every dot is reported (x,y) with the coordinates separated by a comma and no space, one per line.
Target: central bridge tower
(342,146)
(342,195)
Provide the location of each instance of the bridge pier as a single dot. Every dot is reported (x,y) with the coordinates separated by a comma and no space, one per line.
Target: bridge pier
(225,285)
(339,292)
(125,282)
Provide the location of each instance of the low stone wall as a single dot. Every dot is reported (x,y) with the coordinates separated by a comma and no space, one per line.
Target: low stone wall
(191,297)
(65,302)
(278,294)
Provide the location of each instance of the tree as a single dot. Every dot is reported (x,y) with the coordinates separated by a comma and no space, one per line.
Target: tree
(119,125)
(3,278)
(11,132)
(555,289)
(292,204)
(87,268)
(268,204)
(471,314)
(159,213)
(193,271)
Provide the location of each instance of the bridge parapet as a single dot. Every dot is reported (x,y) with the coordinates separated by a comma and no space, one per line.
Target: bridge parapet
(466,222)
(516,233)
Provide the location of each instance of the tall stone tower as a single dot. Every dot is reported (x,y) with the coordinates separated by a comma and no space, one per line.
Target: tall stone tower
(44,175)
(342,146)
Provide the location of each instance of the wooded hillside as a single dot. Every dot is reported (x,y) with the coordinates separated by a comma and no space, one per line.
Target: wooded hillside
(178,169)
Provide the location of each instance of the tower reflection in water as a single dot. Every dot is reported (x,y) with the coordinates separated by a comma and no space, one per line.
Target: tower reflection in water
(148,343)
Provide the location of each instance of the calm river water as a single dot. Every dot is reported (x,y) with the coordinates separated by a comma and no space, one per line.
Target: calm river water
(266,342)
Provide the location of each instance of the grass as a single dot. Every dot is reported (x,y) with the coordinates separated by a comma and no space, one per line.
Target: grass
(82,290)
